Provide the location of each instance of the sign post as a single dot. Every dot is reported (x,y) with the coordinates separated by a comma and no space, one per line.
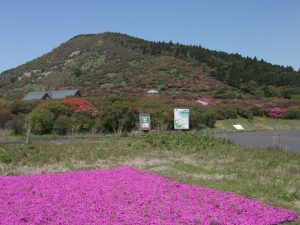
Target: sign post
(145,123)
(181,119)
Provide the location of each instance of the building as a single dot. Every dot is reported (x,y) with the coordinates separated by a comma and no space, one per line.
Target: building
(43,95)
(152,92)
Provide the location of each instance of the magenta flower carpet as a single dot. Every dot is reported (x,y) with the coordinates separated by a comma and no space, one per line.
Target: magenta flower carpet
(125,196)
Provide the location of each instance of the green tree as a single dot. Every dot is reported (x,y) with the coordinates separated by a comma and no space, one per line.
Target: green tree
(5,116)
(41,121)
(80,122)
(118,117)
(200,118)
(42,118)
(62,124)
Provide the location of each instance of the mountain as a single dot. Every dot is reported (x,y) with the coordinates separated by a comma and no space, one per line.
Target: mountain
(114,63)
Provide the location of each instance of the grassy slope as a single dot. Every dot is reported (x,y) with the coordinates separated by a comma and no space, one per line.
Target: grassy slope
(268,175)
(258,123)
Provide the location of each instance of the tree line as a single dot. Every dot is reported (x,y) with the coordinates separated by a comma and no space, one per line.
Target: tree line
(251,75)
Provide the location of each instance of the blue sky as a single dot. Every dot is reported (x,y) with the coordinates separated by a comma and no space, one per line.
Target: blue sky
(268,29)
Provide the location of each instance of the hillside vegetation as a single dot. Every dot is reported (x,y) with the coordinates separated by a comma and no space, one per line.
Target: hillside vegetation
(113,63)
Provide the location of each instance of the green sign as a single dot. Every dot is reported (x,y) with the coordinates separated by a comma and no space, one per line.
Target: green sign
(181,119)
(145,122)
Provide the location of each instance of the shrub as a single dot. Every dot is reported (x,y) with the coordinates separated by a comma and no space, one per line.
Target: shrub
(21,106)
(245,113)
(226,93)
(56,107)
(259,93)
(118,117)
(5,116)
(200,118)
(16,124)
(62,125)
(161,119)
(292,113)
(81,106)
(42,118)
(80,122)
(41,121)
(275,112)
(257,110)
(226,112)
(5,158)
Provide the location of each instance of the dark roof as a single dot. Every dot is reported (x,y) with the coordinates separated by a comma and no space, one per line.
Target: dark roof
(62,93)
(37,95)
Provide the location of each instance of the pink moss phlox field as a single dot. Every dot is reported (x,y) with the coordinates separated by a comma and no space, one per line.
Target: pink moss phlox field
(125,196)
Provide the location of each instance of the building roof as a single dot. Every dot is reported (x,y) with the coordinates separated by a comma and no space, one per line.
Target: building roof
(37,95)
(34,95)
(152,92)
(62,93)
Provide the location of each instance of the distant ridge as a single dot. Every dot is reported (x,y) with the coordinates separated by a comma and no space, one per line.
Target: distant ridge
(114,63)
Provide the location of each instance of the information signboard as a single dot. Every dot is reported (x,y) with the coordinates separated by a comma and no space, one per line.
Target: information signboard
(145,122)
(181,119)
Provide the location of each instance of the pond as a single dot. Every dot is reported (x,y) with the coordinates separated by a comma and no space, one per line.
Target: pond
(288,140)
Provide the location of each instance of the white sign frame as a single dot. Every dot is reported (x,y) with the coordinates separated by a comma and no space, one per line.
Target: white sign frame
(181,119)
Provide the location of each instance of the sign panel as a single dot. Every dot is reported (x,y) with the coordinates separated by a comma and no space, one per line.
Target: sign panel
(181,119)
(238,127)
(145,122)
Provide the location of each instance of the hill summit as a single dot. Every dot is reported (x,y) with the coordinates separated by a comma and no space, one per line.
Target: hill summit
(114,63)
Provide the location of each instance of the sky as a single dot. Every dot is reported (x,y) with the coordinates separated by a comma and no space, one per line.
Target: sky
(268,29)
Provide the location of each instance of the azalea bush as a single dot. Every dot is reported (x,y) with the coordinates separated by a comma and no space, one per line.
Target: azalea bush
(125,196)
(275,112)
(81,106)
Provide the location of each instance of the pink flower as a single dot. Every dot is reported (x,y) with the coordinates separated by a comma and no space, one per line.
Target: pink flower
(275,112)
(125,196)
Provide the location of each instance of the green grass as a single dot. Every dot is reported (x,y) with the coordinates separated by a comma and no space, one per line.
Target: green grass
(7,135)
(295,97)
(270,175)
(258,123)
